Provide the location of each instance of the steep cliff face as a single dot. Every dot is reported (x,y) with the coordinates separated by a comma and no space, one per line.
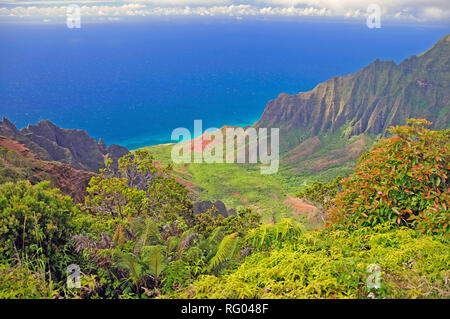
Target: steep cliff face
(17,162)
(73,147)
(367,102)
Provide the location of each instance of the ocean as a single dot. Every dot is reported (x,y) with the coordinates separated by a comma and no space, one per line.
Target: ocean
(132,84)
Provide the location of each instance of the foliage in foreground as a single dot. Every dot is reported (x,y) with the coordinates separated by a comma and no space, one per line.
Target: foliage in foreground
(333,265)
(137,237)
(403,179)
(22,282)
(138,188)
(150,242)
(35,221)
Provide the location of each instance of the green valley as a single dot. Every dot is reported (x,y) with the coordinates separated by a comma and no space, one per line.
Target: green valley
(359,207)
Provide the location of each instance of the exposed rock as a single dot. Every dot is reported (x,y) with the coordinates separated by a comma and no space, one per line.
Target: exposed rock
(8,128)
(102,145)
(70,181)
(52,143)
(303,207)
(204,206)
(116,151)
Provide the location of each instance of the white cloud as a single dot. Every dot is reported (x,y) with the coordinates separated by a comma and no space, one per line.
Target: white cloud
(138,9)
(435,13)
(158,3)
(415,10)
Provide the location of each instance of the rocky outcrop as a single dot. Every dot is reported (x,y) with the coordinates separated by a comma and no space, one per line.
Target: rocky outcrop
(218,207)
(70,181)
(367,102)
(74,147)
(116,151)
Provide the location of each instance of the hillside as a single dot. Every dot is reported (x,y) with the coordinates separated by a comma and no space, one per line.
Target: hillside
(17,162)
(324,131)
(52,143)
(380,95)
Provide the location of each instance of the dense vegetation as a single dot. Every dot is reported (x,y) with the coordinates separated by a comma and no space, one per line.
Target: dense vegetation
(403,179)
(136,235)
(289,263)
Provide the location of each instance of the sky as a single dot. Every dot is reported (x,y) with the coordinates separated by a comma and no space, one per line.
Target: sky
(403,11)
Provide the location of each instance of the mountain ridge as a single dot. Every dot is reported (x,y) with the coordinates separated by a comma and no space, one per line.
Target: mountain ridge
(378,96)
(69,146)
(18,162)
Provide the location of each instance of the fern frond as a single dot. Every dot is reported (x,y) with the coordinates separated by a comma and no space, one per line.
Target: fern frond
(146,232)
(131,263)
(216,235)
(155,259)
(224,251)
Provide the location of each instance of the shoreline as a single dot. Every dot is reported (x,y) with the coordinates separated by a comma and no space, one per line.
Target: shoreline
(131,149)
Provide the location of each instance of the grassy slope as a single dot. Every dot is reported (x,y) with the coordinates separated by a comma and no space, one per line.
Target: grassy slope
(220,181)
(241,186)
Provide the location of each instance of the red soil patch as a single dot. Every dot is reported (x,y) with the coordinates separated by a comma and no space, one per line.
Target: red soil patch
(303,207)
(16,147)
(157,164)
(189,185)
(69,180)
(199,143)
(256,209)
(244,201)
(183,169)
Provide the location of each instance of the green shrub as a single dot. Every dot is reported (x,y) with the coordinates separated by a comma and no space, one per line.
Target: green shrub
(321,194)
(268,236)
(15,167)
(335,265)
(403,179)
(19,282)
(244,220)
(34,221)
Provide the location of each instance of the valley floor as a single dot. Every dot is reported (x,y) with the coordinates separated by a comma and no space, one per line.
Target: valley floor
(243,186)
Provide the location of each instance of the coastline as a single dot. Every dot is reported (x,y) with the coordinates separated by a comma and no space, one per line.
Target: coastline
(164,138)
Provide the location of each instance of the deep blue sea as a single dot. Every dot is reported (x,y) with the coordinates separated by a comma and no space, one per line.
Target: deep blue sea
(132,84)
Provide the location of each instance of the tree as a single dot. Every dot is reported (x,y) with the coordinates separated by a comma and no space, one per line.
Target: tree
(403,179)
(138,188)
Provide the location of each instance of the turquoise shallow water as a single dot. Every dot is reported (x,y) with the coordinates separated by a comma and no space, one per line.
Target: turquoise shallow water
(132,84)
